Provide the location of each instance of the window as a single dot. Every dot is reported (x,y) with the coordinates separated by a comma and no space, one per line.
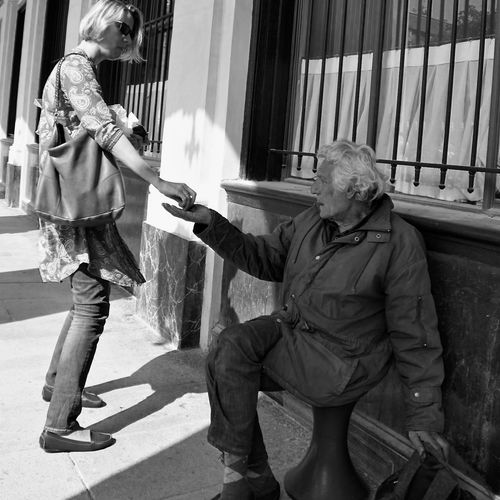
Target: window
(142,88)
(413,78)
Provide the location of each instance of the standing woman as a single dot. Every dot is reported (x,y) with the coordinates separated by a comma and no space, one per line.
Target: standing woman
(92,258)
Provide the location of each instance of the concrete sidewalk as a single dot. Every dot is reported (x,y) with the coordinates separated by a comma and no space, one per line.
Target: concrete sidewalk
(157,405)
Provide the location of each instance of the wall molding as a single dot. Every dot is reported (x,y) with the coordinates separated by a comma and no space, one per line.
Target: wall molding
(451,228)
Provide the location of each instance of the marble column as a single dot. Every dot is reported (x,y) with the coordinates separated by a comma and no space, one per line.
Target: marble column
(171,299)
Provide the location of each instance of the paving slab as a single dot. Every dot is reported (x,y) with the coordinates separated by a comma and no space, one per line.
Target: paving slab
(32,474)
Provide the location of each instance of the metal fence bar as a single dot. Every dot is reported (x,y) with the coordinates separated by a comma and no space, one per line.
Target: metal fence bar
(449,97)
(147,84)
(155,74)
(169,18)
(425,69)
(164,70)
(166,60)
(376,76)
(399,98)
(306,81)
(341,69)
(359,68)
(158,98)
(322,79)
(479,86)
(127,72)
(132,87)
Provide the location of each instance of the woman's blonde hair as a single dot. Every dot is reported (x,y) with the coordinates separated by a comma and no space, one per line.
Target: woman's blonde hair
(106,12)
(354,170)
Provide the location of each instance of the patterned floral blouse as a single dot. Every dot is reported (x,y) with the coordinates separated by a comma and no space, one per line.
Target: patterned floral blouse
(64,248)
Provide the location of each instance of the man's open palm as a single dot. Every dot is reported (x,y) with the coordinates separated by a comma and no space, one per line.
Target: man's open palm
(199,214)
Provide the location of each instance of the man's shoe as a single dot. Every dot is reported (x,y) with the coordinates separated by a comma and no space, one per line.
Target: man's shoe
(52,442)
(89,399)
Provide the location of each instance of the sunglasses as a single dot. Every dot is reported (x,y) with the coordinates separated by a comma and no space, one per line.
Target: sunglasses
(125,29)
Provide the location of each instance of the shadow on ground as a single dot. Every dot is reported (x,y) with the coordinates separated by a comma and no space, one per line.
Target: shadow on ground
(17,224)
(21,276)
(169,380)
(188,469)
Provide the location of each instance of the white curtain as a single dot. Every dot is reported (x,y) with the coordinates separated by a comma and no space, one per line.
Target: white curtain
(461,124)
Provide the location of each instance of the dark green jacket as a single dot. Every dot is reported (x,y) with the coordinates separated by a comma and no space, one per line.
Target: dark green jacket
(350,307)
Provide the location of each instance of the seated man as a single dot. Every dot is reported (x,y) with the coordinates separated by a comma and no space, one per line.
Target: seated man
(356,294)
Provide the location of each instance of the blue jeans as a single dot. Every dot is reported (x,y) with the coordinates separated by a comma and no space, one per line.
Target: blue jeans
(234,378)
(75,349)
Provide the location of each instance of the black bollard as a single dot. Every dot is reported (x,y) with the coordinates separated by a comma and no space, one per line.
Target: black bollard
(326,471)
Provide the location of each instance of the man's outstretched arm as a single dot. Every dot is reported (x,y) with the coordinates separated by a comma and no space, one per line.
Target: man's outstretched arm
(261,256)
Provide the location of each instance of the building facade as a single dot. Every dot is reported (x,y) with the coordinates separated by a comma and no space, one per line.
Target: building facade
(238,96)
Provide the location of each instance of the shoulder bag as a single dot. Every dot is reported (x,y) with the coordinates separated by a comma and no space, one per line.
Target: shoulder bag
(80,184)
(427,478)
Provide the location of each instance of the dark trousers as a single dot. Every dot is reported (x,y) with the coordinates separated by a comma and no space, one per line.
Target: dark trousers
(234,378)
(75,348)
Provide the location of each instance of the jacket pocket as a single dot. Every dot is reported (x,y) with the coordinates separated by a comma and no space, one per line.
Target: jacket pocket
(308,369)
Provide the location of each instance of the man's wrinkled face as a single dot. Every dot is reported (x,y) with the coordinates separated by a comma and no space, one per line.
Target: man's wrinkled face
(332,203)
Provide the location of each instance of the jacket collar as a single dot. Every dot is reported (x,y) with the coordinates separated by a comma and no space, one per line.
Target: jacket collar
(376,228)
(380,219)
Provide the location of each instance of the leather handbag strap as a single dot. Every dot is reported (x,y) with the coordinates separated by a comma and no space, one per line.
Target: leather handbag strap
(59,127)
(58,75)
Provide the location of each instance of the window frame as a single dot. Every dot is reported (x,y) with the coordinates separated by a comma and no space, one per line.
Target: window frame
(268,115)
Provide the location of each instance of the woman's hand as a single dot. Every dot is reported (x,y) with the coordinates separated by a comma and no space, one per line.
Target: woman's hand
(179,192)
(199,214)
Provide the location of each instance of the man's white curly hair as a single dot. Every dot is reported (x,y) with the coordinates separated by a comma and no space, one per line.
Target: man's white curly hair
(354,170)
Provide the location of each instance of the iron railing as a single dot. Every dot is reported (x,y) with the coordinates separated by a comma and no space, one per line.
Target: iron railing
(141,88)
(330,33)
